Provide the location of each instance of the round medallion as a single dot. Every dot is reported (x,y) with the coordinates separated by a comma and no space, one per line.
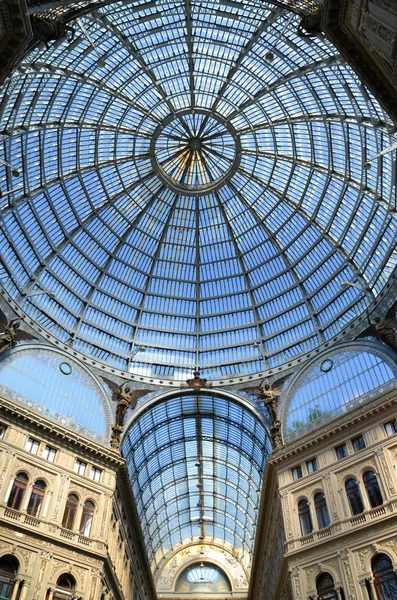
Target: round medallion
(196,152)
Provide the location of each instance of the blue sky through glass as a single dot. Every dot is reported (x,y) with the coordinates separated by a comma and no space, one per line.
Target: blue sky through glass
(196,279)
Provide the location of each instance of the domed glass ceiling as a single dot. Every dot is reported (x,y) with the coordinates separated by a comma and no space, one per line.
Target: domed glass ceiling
(184,190)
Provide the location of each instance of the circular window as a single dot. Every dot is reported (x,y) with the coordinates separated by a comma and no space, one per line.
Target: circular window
(326,365)
(65,368)
(195,152)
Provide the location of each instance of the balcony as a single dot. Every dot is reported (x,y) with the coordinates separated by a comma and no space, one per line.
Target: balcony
(342,526)
(51,529)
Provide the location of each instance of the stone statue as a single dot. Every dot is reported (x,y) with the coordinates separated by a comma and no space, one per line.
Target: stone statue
(310,25)
(47,30)
(386,331)
(8,339)
(269,397)
(125,398)
(115,437)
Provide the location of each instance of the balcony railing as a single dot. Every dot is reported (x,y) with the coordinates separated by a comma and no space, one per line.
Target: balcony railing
(52,529)
(343,525)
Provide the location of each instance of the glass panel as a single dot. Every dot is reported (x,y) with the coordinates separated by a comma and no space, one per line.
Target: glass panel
(36,380)
(325,393)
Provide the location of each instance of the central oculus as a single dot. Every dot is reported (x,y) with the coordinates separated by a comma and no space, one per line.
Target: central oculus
(195,152)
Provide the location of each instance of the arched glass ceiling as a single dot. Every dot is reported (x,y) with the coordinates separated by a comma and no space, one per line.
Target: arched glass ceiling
(340,383)
(192,195)
(196,464)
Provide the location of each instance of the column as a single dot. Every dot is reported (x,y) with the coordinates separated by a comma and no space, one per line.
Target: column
(50,594)
(47,501)
(24,590)
(364,589)
(372,587)
(338,593)
(15,589)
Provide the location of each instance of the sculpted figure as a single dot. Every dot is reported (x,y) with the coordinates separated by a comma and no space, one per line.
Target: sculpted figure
(386,331)
(269,397)
(47,30)
(124,398)
(8,339)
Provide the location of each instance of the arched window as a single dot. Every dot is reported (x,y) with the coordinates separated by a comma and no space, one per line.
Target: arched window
(385,578)
(373,490)
(304,517)
(70,511)
(36,499)
(64,588)
(321,510)
(325,587)
(8,572)
(17,491)
(353,493)
(86,518)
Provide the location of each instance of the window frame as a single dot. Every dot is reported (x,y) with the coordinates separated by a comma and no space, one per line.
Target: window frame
(95,473)
(305,518)
(358,440)
(354,497)
(70,512)
(312,461)
(298,471)
(393,426)
(80,467)
(372,488)
(17,492)
(345,451)
(321,509)
(31,444)
(37,494)
(47,458)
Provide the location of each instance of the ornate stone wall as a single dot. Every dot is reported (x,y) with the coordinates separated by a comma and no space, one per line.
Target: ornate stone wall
(347,545)
(196,553)
(99,561)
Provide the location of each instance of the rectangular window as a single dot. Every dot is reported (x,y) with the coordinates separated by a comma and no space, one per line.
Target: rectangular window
(49,453)
(311,465)
(391,428)
(32,445)
(341,451)
(3,429)
(296,472)
(358,443)
(80,467)
(95,474)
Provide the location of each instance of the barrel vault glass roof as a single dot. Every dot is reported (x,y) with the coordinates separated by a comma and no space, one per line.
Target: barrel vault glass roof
(196,463)
(182,190)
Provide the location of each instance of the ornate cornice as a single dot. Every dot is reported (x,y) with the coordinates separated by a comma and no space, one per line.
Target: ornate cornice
(15,33)
(356,52)
(52,430)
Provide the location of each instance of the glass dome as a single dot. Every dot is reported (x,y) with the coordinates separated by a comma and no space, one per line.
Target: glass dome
(193,184)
